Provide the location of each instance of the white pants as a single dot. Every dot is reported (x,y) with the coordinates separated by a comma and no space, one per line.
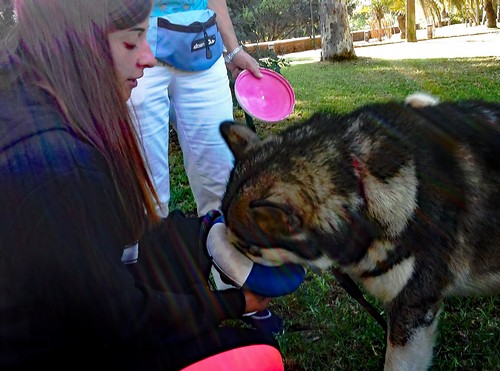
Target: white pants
(200,101)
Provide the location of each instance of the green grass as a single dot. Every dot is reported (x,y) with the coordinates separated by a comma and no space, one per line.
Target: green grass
(181,196)
(325,329)
(344,86)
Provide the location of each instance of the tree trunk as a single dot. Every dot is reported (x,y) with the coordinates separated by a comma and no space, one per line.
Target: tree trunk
(336,38)
(380,30)
(477,13)
(490,14)
(402,25)
(411,26)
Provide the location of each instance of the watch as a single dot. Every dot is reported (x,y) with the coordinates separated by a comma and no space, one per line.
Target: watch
(228,58)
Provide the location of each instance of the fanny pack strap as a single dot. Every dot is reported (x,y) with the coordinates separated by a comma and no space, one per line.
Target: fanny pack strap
(191,28)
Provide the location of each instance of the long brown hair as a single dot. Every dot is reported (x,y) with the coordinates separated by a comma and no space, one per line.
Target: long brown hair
(63,46)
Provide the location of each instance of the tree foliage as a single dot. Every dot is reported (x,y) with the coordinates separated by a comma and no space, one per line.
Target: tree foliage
(267,20)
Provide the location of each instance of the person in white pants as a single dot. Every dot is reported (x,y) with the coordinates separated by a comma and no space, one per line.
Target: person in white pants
(199,101)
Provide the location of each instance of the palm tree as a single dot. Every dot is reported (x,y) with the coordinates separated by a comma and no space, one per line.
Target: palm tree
(379,8)
(398,8)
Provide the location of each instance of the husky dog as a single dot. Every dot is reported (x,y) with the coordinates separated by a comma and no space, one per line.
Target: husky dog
(403,197)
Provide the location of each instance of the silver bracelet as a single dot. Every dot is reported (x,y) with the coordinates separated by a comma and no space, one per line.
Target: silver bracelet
(230,56)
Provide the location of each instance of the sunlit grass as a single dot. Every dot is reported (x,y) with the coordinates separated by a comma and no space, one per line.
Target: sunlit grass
(345,86)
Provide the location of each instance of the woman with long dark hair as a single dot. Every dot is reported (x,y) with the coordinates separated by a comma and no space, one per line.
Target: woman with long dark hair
(75,192)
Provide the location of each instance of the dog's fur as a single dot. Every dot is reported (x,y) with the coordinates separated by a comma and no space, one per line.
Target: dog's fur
(403,197)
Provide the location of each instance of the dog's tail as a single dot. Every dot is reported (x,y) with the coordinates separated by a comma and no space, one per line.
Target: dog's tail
(418,100)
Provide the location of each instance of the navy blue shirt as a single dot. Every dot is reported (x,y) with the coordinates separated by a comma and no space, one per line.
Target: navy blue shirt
(62,234)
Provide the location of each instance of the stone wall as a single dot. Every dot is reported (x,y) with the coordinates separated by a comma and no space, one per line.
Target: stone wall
(301,44)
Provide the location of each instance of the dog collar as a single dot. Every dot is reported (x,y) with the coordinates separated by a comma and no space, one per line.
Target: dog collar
(360,174)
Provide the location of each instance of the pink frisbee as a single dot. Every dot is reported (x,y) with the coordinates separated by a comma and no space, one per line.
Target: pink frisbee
(270,98)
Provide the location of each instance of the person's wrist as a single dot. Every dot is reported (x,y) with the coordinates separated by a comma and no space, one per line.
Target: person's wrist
(228,58)
(207,222)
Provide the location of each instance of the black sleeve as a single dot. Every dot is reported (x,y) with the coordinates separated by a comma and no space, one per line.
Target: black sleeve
(173,258)
(70,236)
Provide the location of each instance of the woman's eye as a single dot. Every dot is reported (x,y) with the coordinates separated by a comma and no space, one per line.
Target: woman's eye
(130,46)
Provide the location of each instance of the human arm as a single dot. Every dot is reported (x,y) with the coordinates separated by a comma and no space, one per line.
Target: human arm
(65,237)
(255,302)
(241,60)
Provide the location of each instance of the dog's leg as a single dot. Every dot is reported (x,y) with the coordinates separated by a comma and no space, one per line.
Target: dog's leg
(411,339)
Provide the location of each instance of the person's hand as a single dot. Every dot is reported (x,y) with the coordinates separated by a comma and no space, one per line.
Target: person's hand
(255,302)
(242,272)
(243,61)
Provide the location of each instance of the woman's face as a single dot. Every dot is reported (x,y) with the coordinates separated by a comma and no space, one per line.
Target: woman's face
(131,55)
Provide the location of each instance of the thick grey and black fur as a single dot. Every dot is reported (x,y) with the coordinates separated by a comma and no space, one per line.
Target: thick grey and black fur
(402,196)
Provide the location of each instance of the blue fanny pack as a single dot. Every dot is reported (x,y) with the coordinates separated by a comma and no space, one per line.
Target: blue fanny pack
(190,40)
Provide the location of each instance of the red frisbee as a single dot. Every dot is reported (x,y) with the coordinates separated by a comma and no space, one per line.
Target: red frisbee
(270,98)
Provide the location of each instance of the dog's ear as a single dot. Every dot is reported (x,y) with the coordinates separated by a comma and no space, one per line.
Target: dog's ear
(274,219)
(238,137)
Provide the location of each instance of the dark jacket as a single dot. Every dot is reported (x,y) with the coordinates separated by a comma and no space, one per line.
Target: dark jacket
(62,234)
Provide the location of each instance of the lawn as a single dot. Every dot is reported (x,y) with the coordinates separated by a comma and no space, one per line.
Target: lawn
(325,328)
